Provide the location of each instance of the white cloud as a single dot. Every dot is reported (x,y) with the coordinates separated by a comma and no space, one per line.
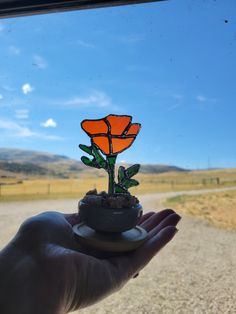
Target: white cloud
(50,123)
(175,106)
(132,38)
(178,96)
(95,99)
(84,44)
(13,50)
(27,88)
(1,96)
(13,129)
(8,88)
(201,98)
(39,62)
(22,114)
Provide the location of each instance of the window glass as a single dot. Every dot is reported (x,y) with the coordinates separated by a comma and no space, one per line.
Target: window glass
(170,65)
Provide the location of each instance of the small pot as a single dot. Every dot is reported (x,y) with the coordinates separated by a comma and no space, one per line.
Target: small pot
(110,220)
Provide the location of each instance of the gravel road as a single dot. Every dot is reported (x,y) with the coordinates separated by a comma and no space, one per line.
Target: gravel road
(194,274)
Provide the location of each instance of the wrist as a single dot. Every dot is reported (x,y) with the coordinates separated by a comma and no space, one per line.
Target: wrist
(12,283)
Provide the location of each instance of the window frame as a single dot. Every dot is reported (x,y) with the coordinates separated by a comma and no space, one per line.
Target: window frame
(14,8)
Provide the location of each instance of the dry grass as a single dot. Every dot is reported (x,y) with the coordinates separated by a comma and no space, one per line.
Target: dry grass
(50,188)
(181,181)
(217,208)
(43,188)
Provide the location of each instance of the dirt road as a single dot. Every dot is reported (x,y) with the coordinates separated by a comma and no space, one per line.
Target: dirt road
(194,274)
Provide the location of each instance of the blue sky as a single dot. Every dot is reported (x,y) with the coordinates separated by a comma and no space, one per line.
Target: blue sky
(171,65)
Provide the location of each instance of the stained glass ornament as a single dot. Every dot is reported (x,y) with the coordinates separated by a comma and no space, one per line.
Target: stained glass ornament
(110,136)
(109,221)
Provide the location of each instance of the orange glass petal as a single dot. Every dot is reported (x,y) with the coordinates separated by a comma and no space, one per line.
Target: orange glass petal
(102,143)
(134,129)
(120,144)
(118,123)
(94,126)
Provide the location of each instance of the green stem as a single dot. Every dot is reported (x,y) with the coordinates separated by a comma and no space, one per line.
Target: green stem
(111,161)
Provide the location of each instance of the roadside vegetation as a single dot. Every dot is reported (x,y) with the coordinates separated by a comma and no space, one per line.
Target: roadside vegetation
(217,208)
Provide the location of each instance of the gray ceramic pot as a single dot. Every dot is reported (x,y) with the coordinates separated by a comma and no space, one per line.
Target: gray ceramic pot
(110,219)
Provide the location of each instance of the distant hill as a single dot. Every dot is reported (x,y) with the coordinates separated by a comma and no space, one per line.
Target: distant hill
(156,168)
(33,163)
(26,168)
(21,155)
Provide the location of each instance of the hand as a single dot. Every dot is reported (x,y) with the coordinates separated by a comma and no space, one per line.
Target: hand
(43,269)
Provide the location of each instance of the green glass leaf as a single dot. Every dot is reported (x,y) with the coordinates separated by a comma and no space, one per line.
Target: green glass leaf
(128,183)
(131,171)
(86,149)
(121,174)
(98,157)
(120,189)
(88,162)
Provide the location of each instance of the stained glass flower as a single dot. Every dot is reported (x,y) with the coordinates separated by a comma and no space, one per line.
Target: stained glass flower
(112,134)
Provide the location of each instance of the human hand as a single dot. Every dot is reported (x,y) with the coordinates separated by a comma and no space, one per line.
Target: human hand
(43,269)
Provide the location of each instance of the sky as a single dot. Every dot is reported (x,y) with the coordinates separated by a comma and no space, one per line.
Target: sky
(171,65)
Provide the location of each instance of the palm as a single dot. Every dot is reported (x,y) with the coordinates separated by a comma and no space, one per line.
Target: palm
(65,277)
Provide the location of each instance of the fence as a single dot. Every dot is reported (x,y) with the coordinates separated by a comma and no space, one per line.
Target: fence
(51,187)
(148,183)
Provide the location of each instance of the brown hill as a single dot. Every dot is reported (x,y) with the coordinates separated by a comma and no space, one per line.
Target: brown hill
(33,163)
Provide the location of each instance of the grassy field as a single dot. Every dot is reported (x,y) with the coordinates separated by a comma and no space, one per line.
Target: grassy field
(43,188)
(217,208)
